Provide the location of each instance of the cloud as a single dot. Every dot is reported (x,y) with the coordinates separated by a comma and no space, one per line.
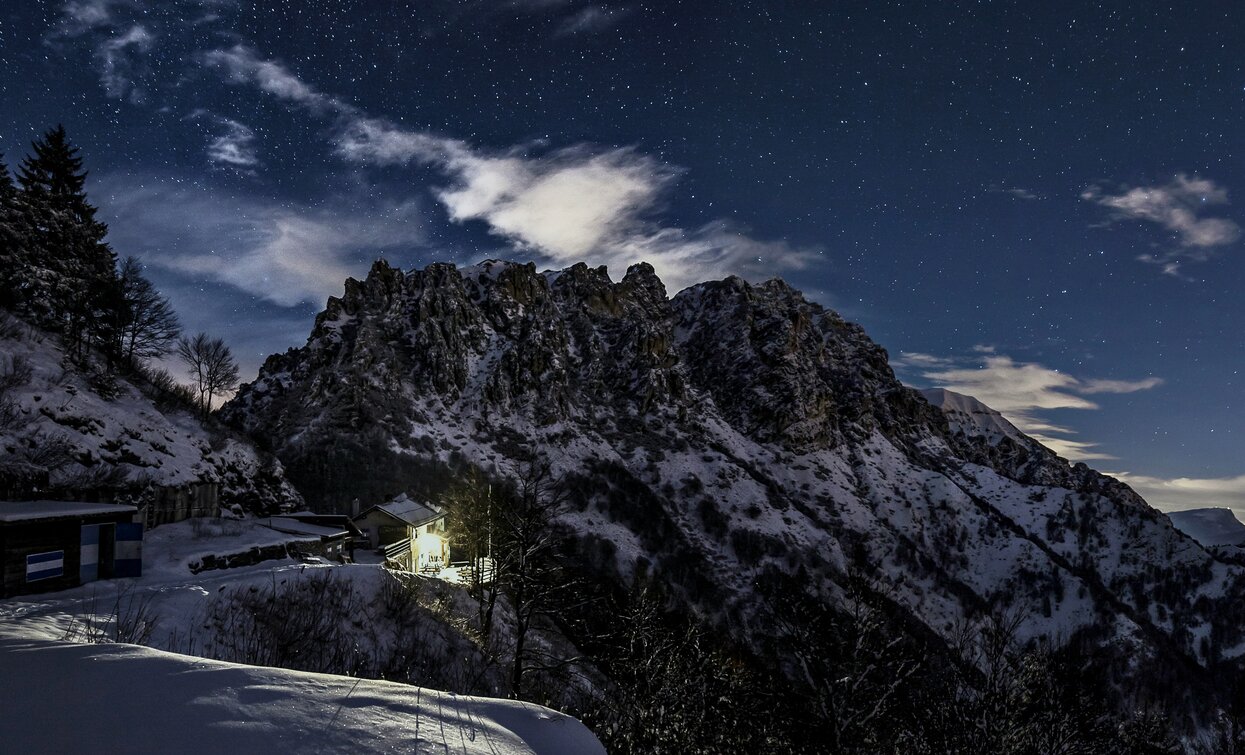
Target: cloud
(1022,390)
(1014,191)
(1119,386)
(923,361)
(119,59)
(565,205)
(1178,493)
(280,253)
(571,204)
(80,17)
(235,147)
(231,143)
(242,65)
(591,20)
(1179,207)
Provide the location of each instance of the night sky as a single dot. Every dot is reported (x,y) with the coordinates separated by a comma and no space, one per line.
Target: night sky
(1034,203)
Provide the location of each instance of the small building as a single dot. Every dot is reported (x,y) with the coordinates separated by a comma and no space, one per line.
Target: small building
(335,539)
(410,534)
(54,545)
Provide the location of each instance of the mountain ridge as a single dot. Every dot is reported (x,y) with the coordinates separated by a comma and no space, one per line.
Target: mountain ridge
(727,433)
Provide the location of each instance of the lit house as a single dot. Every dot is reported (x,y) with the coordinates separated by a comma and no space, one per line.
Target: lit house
(409,533)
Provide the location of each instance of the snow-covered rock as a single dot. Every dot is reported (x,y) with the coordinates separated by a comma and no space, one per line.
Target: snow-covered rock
(1211,526)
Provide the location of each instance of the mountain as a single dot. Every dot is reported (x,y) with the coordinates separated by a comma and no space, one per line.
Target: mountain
(1211,526)
(727,436)
(69,430)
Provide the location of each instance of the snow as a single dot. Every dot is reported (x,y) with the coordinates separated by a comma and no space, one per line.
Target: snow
(23,511)
(65,697)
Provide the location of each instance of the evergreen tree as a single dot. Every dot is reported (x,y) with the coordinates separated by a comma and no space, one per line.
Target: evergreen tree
(12,263)
(70,272)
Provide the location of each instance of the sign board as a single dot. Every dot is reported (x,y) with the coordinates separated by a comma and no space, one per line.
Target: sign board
(45,565)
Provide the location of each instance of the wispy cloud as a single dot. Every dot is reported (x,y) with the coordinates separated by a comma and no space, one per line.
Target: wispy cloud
(1179,207)
(1177,493)
(235,147)
(1021,391)
(120,58)
(285,254)
(564,205)
(1013,191)
(590,20)
(230,144)
(242,65)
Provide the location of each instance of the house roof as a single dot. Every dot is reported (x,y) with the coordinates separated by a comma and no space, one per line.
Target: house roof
(409,512)
(21,511)
(292,526)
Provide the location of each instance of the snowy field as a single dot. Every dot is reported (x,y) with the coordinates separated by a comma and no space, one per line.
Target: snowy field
(64,696)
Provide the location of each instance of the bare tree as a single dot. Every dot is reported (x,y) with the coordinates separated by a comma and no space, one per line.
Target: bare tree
(471,522)
(524,555)
(211,366)
(149,326)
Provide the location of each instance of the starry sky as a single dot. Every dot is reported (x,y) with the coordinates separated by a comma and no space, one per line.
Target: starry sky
(1033,203)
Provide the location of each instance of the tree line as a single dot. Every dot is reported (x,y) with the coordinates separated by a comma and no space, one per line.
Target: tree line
(58,272)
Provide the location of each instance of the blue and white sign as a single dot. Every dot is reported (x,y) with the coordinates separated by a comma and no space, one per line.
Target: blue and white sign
(45,565)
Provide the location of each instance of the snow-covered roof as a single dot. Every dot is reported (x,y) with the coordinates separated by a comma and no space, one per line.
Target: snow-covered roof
(22,511)
(295,527)
(408,511)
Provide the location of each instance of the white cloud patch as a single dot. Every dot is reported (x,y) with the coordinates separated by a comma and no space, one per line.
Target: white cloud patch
(235,147)
(121,58)
(284,254)
(1021,391)
(80,17)
(1179,207)
(231,143)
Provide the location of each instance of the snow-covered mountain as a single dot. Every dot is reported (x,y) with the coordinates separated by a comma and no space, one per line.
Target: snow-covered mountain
(76,429)
(1211,526)
(728,433)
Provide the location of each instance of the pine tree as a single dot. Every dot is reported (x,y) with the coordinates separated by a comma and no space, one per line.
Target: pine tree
(12,262)
(70,269)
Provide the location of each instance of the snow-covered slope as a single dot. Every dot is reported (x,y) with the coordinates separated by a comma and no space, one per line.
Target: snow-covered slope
(1212,526)
(730,434)
(65,697)
(86,432)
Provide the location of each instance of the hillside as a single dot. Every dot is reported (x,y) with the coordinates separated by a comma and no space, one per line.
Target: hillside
(74,430)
